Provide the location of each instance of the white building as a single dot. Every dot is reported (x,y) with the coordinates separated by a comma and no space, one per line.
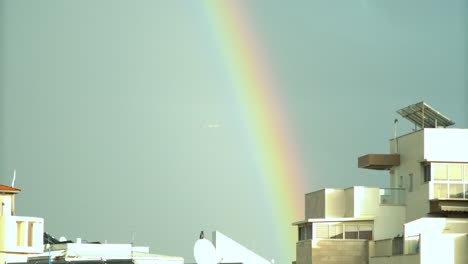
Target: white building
(421,218)
(22,241)
(20,236)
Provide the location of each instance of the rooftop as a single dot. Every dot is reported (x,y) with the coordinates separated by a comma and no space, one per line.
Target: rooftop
(8,189)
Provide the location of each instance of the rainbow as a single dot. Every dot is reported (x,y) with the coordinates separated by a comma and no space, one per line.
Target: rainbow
(258,95)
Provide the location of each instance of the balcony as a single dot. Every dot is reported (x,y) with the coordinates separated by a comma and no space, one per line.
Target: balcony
(379,161)
(392,196)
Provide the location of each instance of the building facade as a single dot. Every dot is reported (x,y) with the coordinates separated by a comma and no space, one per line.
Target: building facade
(422,216)
(20,236)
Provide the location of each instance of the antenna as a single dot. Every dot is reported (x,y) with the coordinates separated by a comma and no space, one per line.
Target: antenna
(395,134)
(133,241)
(14,178)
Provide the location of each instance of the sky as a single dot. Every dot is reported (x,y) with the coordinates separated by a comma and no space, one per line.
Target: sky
(165,118)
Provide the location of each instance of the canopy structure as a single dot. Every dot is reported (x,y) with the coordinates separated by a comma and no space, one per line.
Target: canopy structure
(423,115)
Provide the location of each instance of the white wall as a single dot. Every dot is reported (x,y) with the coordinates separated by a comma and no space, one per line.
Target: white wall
(461,244)
(232,252)
(443,240)
(403,259)
(8,226)
(437,249)
(334,203)
(6,203)
(428,225)
(411,150)
(96,250)
(449,144)
(366,201)
(349,202)
(389,222)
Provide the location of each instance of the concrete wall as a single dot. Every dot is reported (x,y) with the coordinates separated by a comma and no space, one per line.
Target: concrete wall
(326,203)
(443,240)
(315,204)
(411,150)
(332,251)
(446,144)
(334,203)
(366,201)
(31,240)
(349,202)
(403,259)
(340,251)
(304,252)
(460,246)
(431,144)
(356,201)
(383,248)
(6,204)
(389,221)
(437,249)
(430,225)
(361,201)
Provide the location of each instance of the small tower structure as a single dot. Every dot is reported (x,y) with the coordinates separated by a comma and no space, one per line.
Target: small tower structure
(20,236)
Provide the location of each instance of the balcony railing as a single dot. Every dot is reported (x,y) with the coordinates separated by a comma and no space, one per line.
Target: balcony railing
(392,196)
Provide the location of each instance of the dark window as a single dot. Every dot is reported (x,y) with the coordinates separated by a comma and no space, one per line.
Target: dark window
(336,231)
(427,172)
(410,184)
(309,231)
(302,233)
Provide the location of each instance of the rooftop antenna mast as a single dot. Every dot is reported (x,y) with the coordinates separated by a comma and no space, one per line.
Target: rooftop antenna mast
(133,242)
(14,178)
(395,134)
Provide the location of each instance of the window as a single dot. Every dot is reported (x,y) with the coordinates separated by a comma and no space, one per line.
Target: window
(410,182)
(455,172)
(309,231)
(450,181)
(427,172)
(302,233)
(343,230)
(440,190)
(456,191)
(321,231)
(336,231)
(351,232)
(305,232)
(365,232)
(440,171)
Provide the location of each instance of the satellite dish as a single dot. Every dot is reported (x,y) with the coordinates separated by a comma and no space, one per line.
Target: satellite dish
(205,253)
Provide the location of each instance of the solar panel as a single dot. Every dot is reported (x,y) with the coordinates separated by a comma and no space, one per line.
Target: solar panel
(425,116)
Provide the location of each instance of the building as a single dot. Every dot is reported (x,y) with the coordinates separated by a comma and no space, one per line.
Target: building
(421,218)
(22,241)
(20,236)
